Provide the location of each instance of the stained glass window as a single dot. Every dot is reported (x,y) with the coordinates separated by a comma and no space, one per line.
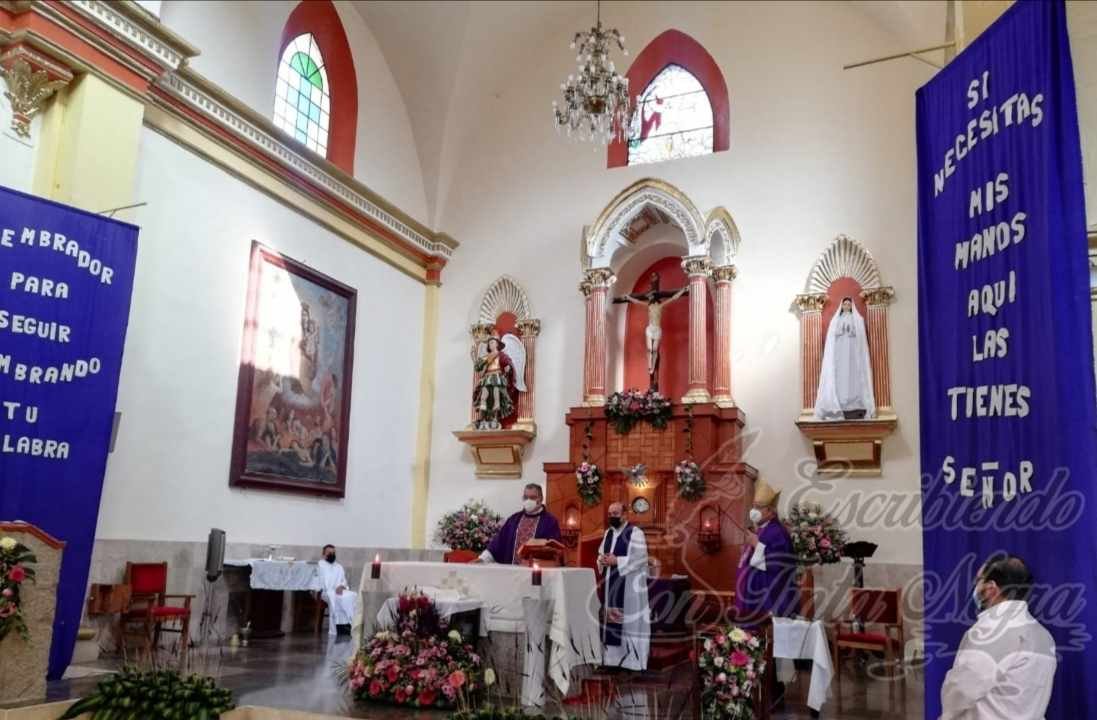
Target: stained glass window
(673,119)
(302,103)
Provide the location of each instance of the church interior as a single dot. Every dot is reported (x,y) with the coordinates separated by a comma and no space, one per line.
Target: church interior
(645,410)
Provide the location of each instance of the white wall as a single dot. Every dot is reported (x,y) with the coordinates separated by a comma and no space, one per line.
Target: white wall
(16,153)
(239,43)
(1082,26)
(168,476)
(815,151)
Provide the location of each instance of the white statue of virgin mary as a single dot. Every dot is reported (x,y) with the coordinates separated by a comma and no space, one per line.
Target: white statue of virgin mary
(845,384)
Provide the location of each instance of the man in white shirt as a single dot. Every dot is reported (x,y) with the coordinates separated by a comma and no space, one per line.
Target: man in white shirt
(341,601)
(626,622)
(1006,662)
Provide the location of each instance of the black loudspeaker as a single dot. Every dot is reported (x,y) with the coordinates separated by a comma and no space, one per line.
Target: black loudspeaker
(215,554)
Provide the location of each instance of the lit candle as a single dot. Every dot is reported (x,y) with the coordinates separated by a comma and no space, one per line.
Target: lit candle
(571,521)
(536,575)
(708,525)
(375,571)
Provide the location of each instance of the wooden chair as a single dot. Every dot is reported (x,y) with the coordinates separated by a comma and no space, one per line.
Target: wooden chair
(761,625)
(149,614)
(880,611)
(460,556)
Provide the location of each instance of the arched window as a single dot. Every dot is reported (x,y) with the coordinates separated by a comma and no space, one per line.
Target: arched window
(673,119)
(302,104)
(683,104)
(316,92)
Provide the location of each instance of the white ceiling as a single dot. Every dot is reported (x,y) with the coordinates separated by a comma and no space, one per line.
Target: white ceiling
(444,54)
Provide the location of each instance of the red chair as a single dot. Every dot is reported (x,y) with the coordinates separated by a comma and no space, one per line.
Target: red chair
(460,556)
(149,613)
(880,612)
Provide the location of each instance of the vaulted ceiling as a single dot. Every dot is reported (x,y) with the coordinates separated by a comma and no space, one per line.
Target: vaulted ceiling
(449,55)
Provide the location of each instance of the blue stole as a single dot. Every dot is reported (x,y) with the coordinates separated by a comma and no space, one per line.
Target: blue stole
(615,585)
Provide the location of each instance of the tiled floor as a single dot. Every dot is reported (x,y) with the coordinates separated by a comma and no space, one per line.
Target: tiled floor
(298,672)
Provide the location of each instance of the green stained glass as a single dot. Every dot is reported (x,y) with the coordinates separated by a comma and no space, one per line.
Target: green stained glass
(307,68)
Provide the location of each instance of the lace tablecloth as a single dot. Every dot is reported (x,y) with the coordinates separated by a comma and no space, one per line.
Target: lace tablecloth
(280,574)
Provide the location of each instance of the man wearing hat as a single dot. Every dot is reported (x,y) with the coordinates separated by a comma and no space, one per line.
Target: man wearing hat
(767,565)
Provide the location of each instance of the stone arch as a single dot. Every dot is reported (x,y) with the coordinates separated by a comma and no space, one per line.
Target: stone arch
(722,237)
(504,295)
(610,231)
(844,257)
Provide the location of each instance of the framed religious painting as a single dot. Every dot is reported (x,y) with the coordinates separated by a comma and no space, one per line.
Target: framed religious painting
(293,393)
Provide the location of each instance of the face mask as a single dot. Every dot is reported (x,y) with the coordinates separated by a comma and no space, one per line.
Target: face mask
(330,557)
(976,599)
(755,515)
(615,522)
(529,505)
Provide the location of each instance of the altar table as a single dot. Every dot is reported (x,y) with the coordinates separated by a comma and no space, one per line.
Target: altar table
(270,580)
(804,640)
(564,609)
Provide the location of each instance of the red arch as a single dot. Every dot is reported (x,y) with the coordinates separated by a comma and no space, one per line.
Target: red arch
(674,47)
(320,18)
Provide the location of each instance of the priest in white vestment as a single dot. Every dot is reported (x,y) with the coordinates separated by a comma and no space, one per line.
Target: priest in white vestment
(845,383)
(336,592)
(626,617)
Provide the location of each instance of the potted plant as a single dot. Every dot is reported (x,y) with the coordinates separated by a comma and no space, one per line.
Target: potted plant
(471,527)
(161,694)
(816,540)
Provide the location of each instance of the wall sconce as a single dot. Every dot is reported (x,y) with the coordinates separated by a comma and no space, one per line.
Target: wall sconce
(708,535)
(570,531)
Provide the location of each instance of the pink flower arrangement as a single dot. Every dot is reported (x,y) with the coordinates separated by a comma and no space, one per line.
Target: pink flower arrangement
(415,666)
(730,665)
(16,567)
(588,479)
(470,527)
(816,537)
(625,409)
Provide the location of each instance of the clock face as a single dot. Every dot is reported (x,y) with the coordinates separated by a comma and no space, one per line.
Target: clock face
(641,506)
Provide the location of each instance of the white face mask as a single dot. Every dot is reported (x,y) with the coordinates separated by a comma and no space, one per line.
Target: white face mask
(975,597)
(529,505)
(755,515)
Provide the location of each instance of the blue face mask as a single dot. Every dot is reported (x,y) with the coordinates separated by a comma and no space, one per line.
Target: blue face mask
(976,599)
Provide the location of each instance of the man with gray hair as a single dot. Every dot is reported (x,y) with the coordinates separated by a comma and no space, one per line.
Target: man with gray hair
(626,617)
(1006,662)
(532,521)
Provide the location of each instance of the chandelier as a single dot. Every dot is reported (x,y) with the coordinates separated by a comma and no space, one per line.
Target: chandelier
(596,103)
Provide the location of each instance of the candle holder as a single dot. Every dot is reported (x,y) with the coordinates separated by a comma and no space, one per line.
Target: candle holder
(536,575)
(709,536)
(570,532)
(375,569)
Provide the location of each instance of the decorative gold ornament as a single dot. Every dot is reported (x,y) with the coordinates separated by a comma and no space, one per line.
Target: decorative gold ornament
(697,265)
(724,272)
(878,296)
(530,328)
(28,92)
(810,303)
(598,278)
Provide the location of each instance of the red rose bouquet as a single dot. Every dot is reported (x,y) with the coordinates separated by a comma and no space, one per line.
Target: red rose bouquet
(16,568)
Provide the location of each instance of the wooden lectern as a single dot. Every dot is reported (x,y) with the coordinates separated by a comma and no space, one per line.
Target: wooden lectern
(546,553)
(23,663)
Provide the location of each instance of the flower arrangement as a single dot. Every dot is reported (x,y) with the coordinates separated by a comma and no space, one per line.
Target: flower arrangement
(162,694)
(470,527)
(816,537)
(414,665)
(731,666)
(691,481)
(625,409)
(16,567)
(589,479)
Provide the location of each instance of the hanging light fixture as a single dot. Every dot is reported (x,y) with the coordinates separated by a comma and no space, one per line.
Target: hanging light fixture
(596,102)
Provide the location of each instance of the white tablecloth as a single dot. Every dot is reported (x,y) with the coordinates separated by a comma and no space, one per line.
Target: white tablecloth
(281,574)
(566,604)
(800,639)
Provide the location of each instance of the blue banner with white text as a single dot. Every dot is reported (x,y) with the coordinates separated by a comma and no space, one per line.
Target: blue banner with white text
(66,277)
(1008,416)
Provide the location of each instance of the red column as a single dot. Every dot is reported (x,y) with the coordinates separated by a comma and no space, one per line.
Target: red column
(877,300)
(596,285)
(529,329)
(810,308)
(721,382)
(698,269)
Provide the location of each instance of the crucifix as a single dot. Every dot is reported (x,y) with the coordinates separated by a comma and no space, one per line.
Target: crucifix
(654,299)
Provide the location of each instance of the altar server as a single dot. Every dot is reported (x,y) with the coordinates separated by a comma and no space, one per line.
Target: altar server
(1006,662)
(626,617)
(533,521)
(767,564)
(334,589)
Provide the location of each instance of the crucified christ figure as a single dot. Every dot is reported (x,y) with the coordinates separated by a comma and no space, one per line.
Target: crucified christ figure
(655,300)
